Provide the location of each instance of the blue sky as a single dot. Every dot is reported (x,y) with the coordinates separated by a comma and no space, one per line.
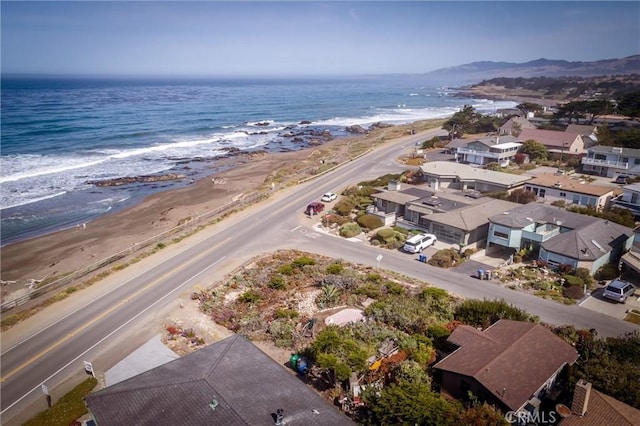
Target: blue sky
(306,38)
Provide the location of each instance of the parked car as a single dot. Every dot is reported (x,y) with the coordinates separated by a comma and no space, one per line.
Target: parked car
(619,291)
(623,179)
(419,242)
(314,208)
(328,197)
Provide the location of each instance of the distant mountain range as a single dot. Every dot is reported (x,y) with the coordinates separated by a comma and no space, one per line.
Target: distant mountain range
(478,71)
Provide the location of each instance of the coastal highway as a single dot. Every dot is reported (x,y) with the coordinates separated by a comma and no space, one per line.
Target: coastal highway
(106,322)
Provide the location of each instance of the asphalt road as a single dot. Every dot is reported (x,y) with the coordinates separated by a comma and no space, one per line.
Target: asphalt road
(106,322)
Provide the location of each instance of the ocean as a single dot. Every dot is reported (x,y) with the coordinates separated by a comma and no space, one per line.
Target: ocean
(60,134)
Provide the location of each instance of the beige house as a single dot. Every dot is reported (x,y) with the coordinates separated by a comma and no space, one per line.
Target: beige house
(514,126)
(445,174)
(566,143)
(550,188)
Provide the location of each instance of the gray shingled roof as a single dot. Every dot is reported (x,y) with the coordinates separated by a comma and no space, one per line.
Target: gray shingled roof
(470,217)
(590,242)
(248,386)
(602,149)
(522,216)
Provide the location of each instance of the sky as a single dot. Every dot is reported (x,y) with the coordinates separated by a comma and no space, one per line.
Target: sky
(262,38)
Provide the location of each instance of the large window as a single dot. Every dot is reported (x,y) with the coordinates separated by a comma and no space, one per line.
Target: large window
(501,235)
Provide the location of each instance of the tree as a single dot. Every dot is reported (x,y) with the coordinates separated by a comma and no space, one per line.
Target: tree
(629,105)
(527,107)
(535,150)
(521,196)
(461,122)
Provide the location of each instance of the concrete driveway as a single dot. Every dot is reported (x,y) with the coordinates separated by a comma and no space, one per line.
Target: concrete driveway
(596,302)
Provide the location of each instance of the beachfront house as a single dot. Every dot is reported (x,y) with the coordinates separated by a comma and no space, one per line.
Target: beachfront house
(558,236)
(493,149)
(611,161)
(445,174)
(513,365)
(559,143)
(560,188)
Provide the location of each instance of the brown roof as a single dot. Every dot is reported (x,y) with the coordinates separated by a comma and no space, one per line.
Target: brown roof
(570,185)
(549,138)
(511,359)
(604,410)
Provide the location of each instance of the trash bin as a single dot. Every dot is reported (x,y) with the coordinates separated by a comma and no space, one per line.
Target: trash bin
(487,274)
(422,258)
(480,273)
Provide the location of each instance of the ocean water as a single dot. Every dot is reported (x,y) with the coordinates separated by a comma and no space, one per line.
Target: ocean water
(59,134)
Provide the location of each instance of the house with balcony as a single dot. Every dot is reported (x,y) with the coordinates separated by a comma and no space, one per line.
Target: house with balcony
(550,187)
(559,236)
(513,365)
(629,199)
(611,161)
(453,217)
(557,142)
(493,149)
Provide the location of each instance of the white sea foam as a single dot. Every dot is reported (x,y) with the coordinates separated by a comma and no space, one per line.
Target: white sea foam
(34,200)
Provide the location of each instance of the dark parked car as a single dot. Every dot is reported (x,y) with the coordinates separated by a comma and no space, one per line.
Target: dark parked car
(623,179)
(314,208)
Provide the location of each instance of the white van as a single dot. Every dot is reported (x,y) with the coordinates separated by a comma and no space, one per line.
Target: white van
(419,242)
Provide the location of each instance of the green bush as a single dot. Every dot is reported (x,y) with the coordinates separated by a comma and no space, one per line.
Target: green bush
(286,269)
(370,290)
(572,280)
(370,221)
(349,230)
(277,282)
(395,288)
(483,313)
(303,261)
(335,268)
(286,313)
(437,331)
(249,296)
(385,234)
(374,277)
(607,272)
(68,408)
(344,207)
(585,275)
(445,258)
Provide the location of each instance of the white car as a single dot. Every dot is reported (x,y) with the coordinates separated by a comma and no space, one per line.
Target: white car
(419,242)
(329,196)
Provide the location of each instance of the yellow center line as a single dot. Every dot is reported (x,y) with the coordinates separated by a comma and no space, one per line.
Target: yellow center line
(101,316)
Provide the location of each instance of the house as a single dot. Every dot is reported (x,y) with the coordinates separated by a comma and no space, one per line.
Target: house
(592,408)
(452,147)
(445,174)
(560,236)
(514,126)
(551,187)
(556,142)
(454,218)
(588,132)
(611,161)
(229,382)
(493,149)
(629,199)
(511,364)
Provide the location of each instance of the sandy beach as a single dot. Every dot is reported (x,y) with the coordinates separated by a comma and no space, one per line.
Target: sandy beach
(60,253)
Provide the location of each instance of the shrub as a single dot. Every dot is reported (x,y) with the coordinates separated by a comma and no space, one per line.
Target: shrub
(483,313)
(436,331)
(385,234)
(573,292)
(349,230)
(303,261)
(344,207)
(277,282)
(249,296)
(585,275)
(517,258)
(374,277)
(286,313)
(395,288)
(370,221)
(607,272)
(370,290)
(519,158)
(572,280)
(334,268)
(286,269)
(559,203)
(445,258)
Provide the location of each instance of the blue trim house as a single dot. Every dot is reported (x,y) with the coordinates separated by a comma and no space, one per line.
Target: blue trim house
(559,236)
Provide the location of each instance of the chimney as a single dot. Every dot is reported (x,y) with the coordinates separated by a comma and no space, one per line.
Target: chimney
(581,396)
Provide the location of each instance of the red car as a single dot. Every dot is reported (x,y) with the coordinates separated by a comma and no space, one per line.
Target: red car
(314,208)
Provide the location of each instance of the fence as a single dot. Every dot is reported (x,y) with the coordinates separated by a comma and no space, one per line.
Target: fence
(187,226)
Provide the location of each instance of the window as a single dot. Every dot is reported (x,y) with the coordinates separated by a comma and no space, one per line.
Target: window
(542,192)
(636,161)
(576,199)
(563,194)
(500,235)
